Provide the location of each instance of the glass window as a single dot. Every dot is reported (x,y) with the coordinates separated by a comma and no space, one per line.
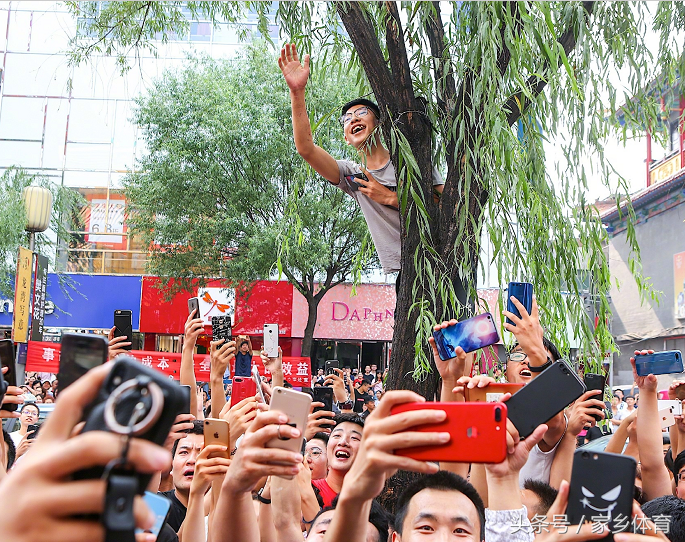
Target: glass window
(200,31)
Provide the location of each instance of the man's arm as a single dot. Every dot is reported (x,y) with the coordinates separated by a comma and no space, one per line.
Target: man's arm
(296,76)
(193,328)
(275,367)
(219,357)
(528,333)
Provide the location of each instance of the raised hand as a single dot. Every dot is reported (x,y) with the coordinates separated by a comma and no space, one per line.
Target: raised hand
(319,422)
(582,412)
(182,423)
(240,416)
(220,355)
(336,380)
(192,329)
(295,73)
(454,368)
(117,344)
(646,383)
(528,331)
(13,396)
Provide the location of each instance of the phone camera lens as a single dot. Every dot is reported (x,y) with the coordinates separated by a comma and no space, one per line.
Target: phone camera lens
(586,455)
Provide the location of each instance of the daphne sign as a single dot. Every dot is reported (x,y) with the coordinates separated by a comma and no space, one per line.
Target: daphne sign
(341,311)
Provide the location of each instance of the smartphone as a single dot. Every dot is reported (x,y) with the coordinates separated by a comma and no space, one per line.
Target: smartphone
(544,397)
(601,484)
(478,433)
(667,418)
(472,334)
(32,431)
(595,382)
(217,432)
(186,398)
(10,378)
(80,352)
(221,328)
(271,340)
(194,305)
(352,180)
(243,387)
(330,365)
(256,377)
(675,406)
(295,405)
(160,508)
(523,291)
(659,363)
(123,327)
(492,393)
(323,395)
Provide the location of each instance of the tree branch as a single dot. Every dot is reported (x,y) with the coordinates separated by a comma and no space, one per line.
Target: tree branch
(446,89)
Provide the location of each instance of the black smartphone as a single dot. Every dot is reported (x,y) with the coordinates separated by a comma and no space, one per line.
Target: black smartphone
(32,431)
(351,180)
(602,484)
(221,328)
(185,389)
(330,365)
(595,382)
(80,352)
(123,327)
(523,291)
(194,305)
(10,377)
(323,395)
(544,397)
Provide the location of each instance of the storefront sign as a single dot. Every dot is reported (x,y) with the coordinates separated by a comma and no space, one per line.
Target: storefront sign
(39,295)
(22,296)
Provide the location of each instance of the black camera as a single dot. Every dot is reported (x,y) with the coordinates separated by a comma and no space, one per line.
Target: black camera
(133,401)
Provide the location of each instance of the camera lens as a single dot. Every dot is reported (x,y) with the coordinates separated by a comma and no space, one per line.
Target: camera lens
(586,455)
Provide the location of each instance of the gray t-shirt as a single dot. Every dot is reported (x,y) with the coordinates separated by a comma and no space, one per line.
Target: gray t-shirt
(383,221)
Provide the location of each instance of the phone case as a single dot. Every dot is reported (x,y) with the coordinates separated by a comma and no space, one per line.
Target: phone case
(659,363)
(123,326)
(472,334)
(352,180)
(79,353)
(243,387)
(594,381)
(544,397)
(667,418)
(602,484)
(160,507)
(491,393)
(523,291)
(675,405)
(8,379)
(185,389)
(330,365)
(295,405)
(257,379)
(271,340)
(194,303)
(478,430)
(323,395)
(217,432)
(221,328)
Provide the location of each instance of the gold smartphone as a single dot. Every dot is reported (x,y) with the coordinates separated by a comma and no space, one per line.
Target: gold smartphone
(217,432)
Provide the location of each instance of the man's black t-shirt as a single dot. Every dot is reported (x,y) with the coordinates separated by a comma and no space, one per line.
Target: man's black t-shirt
(177,512)
(243,364)
(359,400)
(167,534)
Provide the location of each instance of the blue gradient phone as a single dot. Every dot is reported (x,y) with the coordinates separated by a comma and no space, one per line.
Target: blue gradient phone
(160,507)
(523,291)
(659,363)
(472,334)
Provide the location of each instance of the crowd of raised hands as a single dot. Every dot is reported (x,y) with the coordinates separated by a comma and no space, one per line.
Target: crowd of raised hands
(351,482)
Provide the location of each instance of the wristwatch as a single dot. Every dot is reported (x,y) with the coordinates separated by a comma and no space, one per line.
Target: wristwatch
(542,367)
(262,499)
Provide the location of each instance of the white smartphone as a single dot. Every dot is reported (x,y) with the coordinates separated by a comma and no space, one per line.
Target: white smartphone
(271,340)
(258,382)
(666,418)
(675,406)
(295,405)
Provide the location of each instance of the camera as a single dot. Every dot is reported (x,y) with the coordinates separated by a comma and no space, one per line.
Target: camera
(134,401)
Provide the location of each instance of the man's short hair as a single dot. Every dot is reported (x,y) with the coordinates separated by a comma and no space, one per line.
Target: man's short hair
(442,481)
(370,400)
(362,101)
(347,417)
(11,450)
(320,436)
(672,506)
(35,405)
(545,493)
(678,464)
(378,517)
(198,429)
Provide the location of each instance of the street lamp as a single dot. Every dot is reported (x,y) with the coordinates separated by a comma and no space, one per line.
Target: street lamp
(38,206)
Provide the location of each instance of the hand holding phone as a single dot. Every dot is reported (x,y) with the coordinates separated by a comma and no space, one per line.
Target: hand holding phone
(258,384)
(295,405)
(353,181)
(160,508)
(80,353)
(217,432)
(243,387)
(595,382)
(472,334)
(658,363)
(123,326)
(271,340)
(8,376)
(523,292)
(194,305)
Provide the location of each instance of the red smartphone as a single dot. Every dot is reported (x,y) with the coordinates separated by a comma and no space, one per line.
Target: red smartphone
(243,387)
(478,430)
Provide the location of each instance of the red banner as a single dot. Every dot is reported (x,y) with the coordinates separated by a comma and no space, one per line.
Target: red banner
(43,357)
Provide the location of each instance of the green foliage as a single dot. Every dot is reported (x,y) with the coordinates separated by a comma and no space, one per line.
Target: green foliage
(13,219)
(222,191)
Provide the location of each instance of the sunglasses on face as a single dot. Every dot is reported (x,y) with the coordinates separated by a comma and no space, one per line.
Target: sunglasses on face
(359,113)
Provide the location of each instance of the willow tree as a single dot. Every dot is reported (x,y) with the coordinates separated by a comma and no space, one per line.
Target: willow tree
(476,88)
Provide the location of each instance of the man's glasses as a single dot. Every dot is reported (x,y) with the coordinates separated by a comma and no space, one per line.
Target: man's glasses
(359,113)
(518,357)
(313,453)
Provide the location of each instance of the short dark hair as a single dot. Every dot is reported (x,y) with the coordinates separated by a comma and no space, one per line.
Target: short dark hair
(544,492)
(370,400)
(11,450)
(198,429)
(442,481)
(320,436)
(678,464)
(378,517)
(361,101)
(351,418)
(35,405)
(668,505)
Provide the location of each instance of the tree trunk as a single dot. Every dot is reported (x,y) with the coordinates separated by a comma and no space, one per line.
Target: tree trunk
(308,340)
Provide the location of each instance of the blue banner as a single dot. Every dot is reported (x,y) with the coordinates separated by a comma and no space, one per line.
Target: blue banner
(92,303)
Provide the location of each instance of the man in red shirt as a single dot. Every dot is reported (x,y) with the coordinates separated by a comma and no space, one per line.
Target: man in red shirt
(343,444)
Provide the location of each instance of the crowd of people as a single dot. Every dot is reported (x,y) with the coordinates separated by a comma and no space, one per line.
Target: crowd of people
(350,481)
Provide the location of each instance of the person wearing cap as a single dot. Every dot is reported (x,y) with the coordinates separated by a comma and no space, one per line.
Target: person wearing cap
(376,194)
